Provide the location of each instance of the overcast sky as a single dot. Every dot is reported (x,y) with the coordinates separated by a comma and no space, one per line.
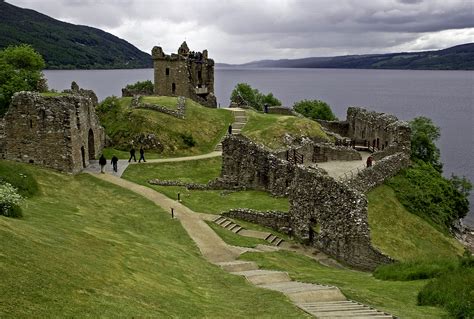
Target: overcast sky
(237,31)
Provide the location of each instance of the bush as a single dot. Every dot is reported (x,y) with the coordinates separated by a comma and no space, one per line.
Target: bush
(415,270)
(111,103)
(315,109)
(22,180)
(20,70)
(426,193)
(10,201)
(244,94)
(452,290)
(423,136)
(188,139)
(142,86)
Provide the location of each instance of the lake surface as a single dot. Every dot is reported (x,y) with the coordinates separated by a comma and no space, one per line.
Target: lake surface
(447,97)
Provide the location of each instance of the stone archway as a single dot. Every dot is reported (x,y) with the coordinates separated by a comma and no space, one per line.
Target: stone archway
(91,145)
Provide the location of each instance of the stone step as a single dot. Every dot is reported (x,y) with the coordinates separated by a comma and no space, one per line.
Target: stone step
(270,238)
(294,286)
(230,226)
(261,277)
(236,126)
(346,314)
(218,148)
(226,223)
(237,229)
(238,265)
(279,242)
(222,221)
(218,218)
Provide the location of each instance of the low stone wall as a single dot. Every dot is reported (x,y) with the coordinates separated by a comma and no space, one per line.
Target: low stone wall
(126,92)
(179,112)
(371,177)
(333,217)
(324,152)
(279,221)
(280,110)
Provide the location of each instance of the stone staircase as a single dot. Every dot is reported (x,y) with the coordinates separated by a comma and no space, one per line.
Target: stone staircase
(240,119)
(236,228)
(321,301)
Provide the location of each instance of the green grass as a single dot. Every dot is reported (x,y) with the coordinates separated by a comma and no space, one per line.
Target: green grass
(453,290)
(405,236)
(269,129)
(415,269)
(235,239)
(89,249)
(396,297)
(205,125)
(15,174)
(203,201)
(166,101)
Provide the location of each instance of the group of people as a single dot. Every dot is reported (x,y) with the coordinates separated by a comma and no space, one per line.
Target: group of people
(114,160)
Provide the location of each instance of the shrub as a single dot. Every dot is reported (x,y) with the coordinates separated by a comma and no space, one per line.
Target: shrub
(315,109)
(188,139)
(452,290)
(426,193)
(22,180)
(10,201)
(244,94)
(111,103)
(423,136)
(142,86)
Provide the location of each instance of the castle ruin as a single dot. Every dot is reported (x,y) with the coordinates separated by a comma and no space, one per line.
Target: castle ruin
(186,73)
(61,132)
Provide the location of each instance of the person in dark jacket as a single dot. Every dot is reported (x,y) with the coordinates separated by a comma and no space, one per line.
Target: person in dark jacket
(142,155)
(114,162)
(102,163)
(132,155)
(369,161)
(229,130)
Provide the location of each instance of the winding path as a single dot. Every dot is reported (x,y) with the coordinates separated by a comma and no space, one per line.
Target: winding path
(318,300)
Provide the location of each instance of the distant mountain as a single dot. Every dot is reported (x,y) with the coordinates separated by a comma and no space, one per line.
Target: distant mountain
(460,57)
(65,45)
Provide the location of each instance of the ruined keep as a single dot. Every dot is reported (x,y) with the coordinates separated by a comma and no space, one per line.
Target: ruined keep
(61,132)
(326,213)
(186,73)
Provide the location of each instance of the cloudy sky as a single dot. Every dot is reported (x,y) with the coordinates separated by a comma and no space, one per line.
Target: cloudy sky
(237,31)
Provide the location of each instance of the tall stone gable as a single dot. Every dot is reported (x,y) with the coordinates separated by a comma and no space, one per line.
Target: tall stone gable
(186,73)
(60,132)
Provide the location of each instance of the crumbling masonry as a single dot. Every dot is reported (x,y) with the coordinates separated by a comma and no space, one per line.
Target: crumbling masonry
(189,74)
(60,132)
(328,214)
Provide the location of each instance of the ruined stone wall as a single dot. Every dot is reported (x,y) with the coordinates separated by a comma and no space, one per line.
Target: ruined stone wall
(127,92)
(60,132)
(245,163)
(184,74)
(322,152)
(375,175)
(2,138)
(279,221)
(280,110)
(378,129)
(180,111)
(317,201)
(339,127)
(333,217)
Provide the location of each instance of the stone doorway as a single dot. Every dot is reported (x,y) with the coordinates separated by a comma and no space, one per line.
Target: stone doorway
(313,230)
(91,145)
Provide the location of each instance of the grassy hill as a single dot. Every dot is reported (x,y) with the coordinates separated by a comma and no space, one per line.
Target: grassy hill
(205,126)
(65,45)
(89,249)
(271,129)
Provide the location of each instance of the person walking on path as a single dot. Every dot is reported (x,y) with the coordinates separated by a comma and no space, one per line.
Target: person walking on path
(114,162)
(132,155)
(229,130)
(369,161)
(102,163)
(142,155)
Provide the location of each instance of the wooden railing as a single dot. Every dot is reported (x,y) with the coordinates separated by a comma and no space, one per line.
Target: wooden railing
(293,156)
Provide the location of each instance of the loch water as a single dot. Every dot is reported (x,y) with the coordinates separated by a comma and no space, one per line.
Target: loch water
(447,97)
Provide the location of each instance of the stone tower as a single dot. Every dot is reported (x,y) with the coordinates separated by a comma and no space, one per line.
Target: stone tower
(187,73)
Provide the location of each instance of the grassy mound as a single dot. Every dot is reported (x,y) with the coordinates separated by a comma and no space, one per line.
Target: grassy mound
(21,178)
(270,129)
(405,236)
(86,248)
(205,126)
(205,201)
